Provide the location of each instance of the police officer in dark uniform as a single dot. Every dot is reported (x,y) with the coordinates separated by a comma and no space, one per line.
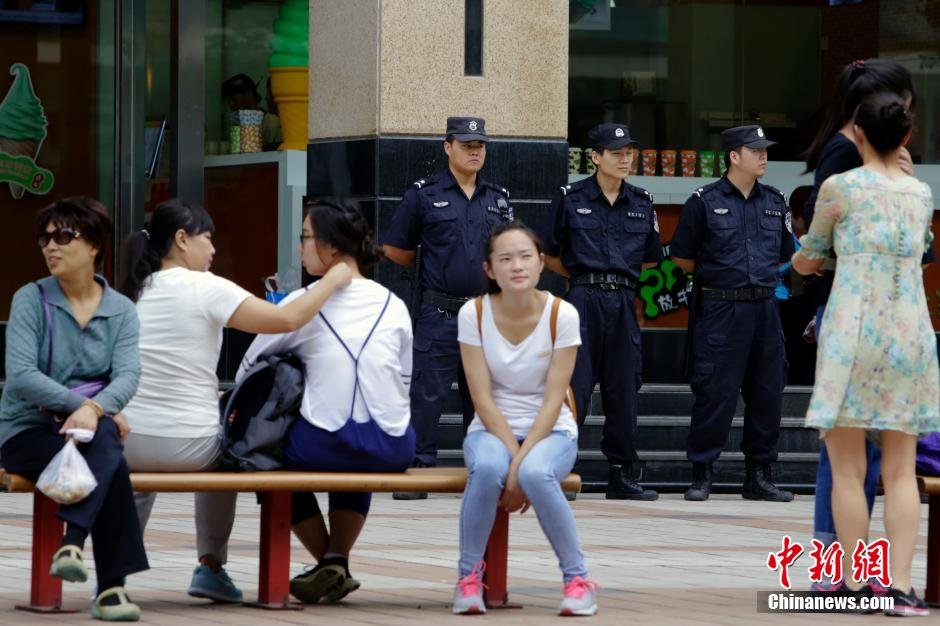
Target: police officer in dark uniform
(604,231)
(733,234)
(450,215)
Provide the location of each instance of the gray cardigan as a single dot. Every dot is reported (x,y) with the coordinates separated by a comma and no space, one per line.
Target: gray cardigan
(106,349)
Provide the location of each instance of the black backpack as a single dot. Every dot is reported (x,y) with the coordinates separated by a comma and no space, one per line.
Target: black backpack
(257,413)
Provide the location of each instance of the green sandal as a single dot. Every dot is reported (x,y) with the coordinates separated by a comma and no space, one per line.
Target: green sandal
(126,611)
(67,564)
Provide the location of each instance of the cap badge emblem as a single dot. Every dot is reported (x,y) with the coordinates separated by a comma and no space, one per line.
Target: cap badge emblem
(619,132)
(760,131)
(584,211)
(472,125)
(721,211)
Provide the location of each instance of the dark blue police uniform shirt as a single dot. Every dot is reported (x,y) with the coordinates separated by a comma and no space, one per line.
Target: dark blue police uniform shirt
(590,235)
(451,229)
(736,242)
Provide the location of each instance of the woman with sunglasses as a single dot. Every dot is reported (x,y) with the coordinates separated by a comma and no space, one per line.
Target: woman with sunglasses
(183,308)
(355,412)
(72,363)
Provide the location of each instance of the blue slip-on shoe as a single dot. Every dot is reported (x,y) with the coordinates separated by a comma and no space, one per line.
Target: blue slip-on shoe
(216,586)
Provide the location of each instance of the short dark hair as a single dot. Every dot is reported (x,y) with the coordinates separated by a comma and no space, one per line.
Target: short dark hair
(505,227)
(341,224)
(798,198)
(83,214)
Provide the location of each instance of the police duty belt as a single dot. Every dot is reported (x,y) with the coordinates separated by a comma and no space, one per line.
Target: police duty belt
(737,295)
(443,301)
(607,282)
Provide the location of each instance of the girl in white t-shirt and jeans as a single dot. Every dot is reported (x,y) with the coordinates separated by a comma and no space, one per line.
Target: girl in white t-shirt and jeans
(174,416)
(523,439)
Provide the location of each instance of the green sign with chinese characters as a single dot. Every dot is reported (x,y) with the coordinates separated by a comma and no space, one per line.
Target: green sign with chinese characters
(22,131)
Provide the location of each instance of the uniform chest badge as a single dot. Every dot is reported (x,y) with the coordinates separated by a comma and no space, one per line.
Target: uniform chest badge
(773,212)
(442,203)
(720,211)
(584,211)
(493,209)
(636,215)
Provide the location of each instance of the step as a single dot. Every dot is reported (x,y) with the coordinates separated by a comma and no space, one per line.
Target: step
(658,433)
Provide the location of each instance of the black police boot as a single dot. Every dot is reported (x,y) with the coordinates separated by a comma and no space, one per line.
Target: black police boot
(701,486)
(412,495)
(621,486)
(758,484)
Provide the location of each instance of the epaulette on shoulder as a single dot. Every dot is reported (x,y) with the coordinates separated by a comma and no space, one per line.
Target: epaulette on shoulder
(776,191)
(498,189)
(640,191)
(427,180)
(575,186)
(704,189)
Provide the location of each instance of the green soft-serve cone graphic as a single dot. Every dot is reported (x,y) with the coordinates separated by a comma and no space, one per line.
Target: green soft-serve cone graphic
(22,131)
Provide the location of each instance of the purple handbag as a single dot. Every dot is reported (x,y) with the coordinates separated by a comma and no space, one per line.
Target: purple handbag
(88,388)
(928,455)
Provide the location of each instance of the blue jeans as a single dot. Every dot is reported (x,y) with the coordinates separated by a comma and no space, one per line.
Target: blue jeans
(540,475)
(824,527)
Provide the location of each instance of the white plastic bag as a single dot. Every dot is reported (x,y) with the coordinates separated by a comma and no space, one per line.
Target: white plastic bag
(67,479)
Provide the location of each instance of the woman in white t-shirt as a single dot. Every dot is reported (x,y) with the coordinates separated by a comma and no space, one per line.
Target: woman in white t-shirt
(174,416)
(523,439)
(355,412)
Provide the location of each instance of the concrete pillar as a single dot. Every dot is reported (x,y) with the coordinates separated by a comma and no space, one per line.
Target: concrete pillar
(385,74)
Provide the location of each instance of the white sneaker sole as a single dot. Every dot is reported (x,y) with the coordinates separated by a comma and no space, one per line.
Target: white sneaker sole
(591,610)
(470,610)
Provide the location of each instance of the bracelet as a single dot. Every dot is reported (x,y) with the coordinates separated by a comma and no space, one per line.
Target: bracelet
(97,408)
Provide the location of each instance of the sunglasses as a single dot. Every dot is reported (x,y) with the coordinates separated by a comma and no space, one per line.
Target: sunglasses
(61,236)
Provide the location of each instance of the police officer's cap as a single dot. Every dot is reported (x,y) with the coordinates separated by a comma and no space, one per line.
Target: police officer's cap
(610,137)
(751,136)
(466,128)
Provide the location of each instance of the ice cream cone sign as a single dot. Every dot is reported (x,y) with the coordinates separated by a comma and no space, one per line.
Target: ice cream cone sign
(22,131)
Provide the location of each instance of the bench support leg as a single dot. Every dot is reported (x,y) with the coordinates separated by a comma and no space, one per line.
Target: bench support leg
(495,593)
(274,566)
(932,592)
(45,595)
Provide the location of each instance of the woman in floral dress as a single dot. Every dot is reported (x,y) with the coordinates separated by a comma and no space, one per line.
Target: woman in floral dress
(877,361)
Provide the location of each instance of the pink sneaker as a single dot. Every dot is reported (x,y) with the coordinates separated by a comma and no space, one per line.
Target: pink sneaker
(468,594)
(580,598)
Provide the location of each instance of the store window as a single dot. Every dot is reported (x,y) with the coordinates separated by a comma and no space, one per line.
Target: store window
(681,72)
(57,104)
(248,187)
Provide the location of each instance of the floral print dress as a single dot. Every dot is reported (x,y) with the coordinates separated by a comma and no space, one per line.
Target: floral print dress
(876,365)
